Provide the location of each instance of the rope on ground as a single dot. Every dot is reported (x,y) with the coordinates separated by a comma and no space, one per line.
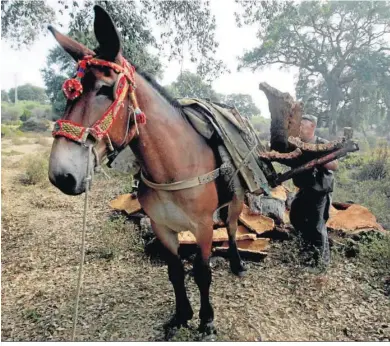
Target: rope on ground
(80,278)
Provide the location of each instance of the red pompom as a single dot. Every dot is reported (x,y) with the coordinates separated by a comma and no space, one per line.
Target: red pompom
(141,118)
(72,88)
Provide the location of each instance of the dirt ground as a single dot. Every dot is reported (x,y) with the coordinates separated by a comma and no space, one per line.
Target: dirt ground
(127,297)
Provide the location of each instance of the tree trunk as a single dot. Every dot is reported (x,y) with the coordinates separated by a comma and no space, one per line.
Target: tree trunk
(335,95)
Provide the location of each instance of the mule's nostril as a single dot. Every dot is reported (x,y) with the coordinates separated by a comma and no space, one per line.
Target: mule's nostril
(66,182)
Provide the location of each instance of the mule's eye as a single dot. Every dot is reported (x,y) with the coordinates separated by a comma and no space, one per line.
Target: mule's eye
(106,91)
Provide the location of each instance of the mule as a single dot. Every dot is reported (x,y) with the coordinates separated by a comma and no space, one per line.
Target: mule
(167,146)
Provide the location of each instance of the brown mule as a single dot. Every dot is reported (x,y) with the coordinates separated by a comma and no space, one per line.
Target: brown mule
(169,150)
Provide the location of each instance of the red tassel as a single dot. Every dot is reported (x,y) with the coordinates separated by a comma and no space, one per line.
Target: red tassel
(141,118)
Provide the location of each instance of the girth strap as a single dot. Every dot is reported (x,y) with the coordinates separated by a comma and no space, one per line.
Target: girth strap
(183,184)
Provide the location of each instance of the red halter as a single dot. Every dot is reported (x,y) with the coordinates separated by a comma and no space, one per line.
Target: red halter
(73,88)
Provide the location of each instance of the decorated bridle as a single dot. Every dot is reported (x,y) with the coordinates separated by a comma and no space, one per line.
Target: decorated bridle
(73,89)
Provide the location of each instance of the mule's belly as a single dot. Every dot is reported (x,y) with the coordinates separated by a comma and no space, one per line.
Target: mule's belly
(168,213)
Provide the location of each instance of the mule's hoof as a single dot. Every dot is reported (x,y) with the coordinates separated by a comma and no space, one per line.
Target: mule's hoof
(173,325)
(240,271)
(207,329)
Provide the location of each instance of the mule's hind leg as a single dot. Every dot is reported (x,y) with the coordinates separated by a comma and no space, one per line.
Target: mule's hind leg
(234,211)
(183,312)
(202,275)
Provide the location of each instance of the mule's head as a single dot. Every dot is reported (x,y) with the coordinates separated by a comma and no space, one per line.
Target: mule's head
(99,114)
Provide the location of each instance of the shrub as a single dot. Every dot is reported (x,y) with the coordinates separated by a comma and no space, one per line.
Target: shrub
(26,115)
(374,249)
(10,131)
(36,168)
(35,125)
(377,165)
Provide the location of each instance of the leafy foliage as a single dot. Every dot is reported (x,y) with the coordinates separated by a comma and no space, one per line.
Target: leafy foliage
(182,26)
(243,102)
(23,110)
(23,21)
(262,126)
(4,96)
(329,41)
(189,84)
(28,92)
(35,125)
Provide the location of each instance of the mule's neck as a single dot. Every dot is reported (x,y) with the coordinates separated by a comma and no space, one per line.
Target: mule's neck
(165,143)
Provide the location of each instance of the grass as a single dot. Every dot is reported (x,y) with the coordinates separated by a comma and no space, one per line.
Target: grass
(9,131)
(118,236)
(11,153)
(17,141)
(43,141)
(374,251)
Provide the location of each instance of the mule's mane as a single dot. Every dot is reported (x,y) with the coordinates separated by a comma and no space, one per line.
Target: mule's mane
(159,88)
(152,81)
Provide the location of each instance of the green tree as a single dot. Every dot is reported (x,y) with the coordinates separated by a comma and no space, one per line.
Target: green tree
(4,96)
(28,92)
(189,84)
(180,24)
(23,21)
(243,102)
(326,40)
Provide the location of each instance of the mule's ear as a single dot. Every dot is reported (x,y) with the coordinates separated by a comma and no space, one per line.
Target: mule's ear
(106,34)
(75,49)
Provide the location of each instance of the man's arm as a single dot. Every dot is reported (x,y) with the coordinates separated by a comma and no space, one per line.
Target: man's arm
(332,166)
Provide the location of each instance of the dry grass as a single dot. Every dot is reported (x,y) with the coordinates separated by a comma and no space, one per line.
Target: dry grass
(44,141)
(126,297)
(18,141)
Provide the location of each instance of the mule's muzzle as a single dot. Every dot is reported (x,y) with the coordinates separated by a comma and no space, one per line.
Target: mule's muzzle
(67,183)
(68,166)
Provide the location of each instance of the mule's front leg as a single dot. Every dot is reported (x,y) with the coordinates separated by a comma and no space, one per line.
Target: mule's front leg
(183,311)
(202,275)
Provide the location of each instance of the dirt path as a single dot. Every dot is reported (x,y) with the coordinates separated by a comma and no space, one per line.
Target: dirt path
(126,297)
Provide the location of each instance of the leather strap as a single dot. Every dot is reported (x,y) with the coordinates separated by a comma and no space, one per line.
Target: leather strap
(183,184)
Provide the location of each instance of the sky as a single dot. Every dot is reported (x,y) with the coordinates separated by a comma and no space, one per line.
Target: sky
(24,65)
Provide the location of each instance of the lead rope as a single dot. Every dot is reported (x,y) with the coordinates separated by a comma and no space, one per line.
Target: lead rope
(88,180)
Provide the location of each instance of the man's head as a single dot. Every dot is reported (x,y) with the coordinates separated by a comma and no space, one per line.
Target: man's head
(308,127)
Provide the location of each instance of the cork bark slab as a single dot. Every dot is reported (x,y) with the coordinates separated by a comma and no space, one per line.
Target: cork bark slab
(258,246)
(279,192)
(219,235)
(353,220)
(126,203)
(256,223)
(286,117)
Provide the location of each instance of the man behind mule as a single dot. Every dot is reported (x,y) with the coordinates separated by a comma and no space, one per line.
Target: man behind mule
(310,207)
